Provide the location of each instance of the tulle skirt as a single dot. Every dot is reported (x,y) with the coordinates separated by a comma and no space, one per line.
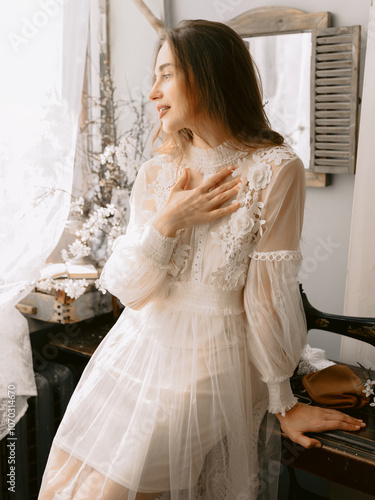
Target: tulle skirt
(168,403)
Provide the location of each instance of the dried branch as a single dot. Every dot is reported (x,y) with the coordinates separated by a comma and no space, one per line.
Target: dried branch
(154,21)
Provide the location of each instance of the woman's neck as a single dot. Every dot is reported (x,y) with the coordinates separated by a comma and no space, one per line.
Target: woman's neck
(199,142)
(207,139)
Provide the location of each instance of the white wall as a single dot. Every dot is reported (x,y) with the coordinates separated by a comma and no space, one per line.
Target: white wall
(328,210)
(132,42)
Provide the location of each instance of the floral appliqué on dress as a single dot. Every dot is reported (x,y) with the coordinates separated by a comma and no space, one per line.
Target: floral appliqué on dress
(238,237)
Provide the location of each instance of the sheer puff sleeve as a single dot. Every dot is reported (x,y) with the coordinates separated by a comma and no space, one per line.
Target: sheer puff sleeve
(273,305)
(136,270)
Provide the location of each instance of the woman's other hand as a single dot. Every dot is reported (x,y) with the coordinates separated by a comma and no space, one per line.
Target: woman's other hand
(305,418)
(193,207)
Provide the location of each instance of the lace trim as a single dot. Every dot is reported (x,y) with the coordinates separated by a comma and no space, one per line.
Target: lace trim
(156,246)
(209,161)
(278,256)
(201,233)
(199,243)
(312,360)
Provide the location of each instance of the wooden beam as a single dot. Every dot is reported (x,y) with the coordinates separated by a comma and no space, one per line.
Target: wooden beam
(153,20)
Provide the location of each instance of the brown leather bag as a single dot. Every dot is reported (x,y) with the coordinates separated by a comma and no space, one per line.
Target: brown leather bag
(336,387)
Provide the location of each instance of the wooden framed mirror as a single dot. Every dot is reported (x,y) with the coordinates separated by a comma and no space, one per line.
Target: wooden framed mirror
(326,123)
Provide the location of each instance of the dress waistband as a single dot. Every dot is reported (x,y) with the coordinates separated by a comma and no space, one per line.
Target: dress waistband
(204,299)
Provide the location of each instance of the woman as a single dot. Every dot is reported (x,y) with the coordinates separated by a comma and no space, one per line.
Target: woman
(173,398)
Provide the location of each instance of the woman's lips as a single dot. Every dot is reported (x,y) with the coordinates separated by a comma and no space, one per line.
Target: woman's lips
(163,111)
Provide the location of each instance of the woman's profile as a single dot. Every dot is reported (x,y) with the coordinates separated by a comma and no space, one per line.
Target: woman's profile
(171,402)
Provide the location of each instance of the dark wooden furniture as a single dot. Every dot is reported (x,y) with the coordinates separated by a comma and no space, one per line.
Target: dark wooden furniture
(347,458)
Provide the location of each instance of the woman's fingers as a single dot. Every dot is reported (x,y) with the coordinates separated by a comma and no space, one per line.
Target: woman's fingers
(223,187)
(334,419)
(215,179)
(301,419)
(221,212)
(193,207)
(305,441)
(338,423)
(221,198)
(334,414)
(181,181)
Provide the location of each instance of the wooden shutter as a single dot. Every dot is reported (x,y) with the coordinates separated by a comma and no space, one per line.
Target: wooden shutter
(334,99)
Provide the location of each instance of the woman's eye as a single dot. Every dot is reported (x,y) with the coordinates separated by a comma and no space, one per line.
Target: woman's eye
(167,76)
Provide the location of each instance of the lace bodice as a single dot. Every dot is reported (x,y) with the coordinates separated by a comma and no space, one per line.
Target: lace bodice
(245,263)
(234,237)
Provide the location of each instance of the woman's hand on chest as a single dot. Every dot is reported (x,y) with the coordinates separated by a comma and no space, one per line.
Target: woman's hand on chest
(193,202)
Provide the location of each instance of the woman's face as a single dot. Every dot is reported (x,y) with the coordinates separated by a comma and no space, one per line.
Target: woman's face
(169,93)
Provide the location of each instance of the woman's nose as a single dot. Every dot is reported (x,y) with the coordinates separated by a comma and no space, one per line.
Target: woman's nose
(155,92)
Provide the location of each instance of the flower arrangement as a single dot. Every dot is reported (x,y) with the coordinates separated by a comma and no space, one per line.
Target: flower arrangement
(369,384)
(99,216)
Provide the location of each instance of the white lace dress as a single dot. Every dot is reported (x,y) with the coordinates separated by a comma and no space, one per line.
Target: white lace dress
(214,326)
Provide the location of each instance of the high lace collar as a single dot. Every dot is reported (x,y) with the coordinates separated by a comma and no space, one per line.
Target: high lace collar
(212,159)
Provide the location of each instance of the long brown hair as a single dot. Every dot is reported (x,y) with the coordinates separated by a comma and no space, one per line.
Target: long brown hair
(221,78)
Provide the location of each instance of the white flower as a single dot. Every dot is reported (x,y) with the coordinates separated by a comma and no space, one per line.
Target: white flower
(116,231)
(111,208)
(110,149)
(77,205)
(46,284)
(79,249)
(74,288)
(83,235)
(368,388)
(100,287)
(107,155)
(102,159)
(240,222)
(259,176)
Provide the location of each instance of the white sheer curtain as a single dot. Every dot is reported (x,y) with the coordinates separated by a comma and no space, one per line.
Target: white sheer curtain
(360,279)
(42,61)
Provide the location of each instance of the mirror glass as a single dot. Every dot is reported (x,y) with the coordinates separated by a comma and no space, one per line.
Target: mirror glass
(284,63)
